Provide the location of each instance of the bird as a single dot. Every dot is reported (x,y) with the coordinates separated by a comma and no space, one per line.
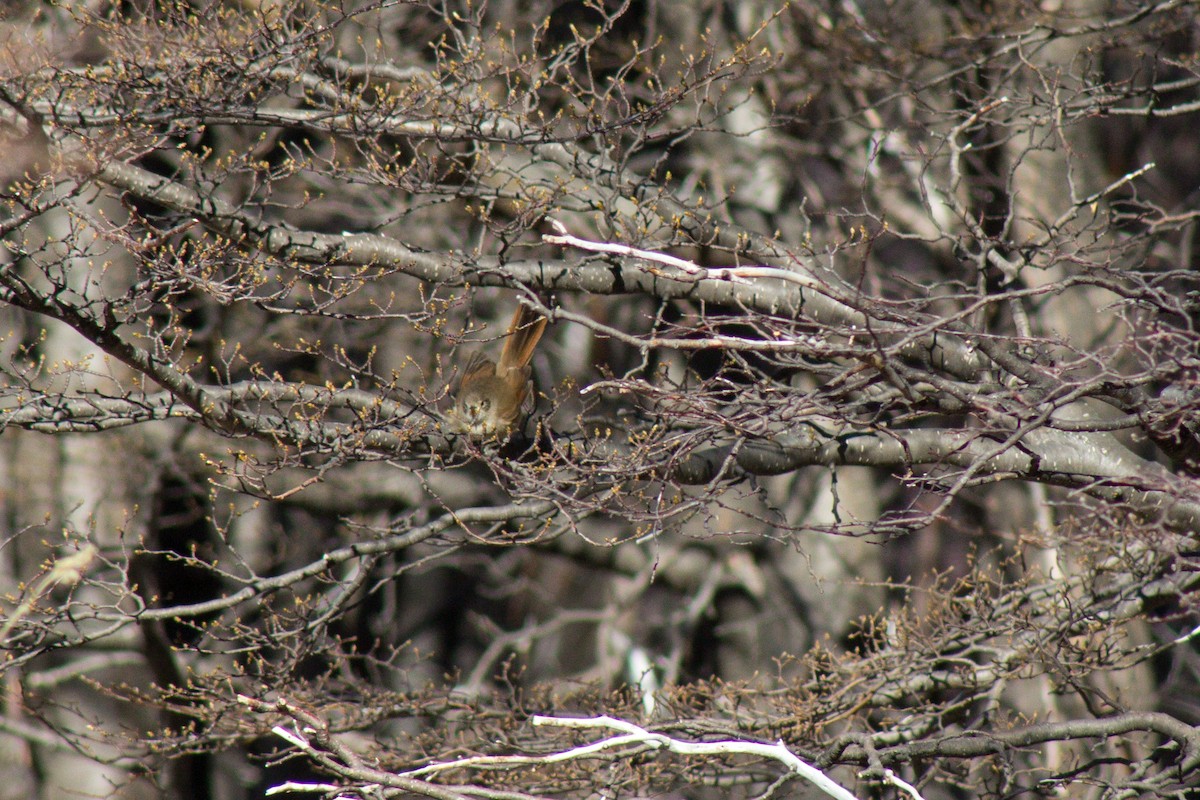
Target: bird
(492,398)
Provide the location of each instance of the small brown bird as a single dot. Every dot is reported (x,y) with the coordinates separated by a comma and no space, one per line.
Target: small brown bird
(492,397)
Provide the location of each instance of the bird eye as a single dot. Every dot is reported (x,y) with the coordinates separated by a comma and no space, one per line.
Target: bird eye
(485,405)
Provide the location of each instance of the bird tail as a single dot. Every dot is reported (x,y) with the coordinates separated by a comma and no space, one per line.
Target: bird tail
(524,332)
